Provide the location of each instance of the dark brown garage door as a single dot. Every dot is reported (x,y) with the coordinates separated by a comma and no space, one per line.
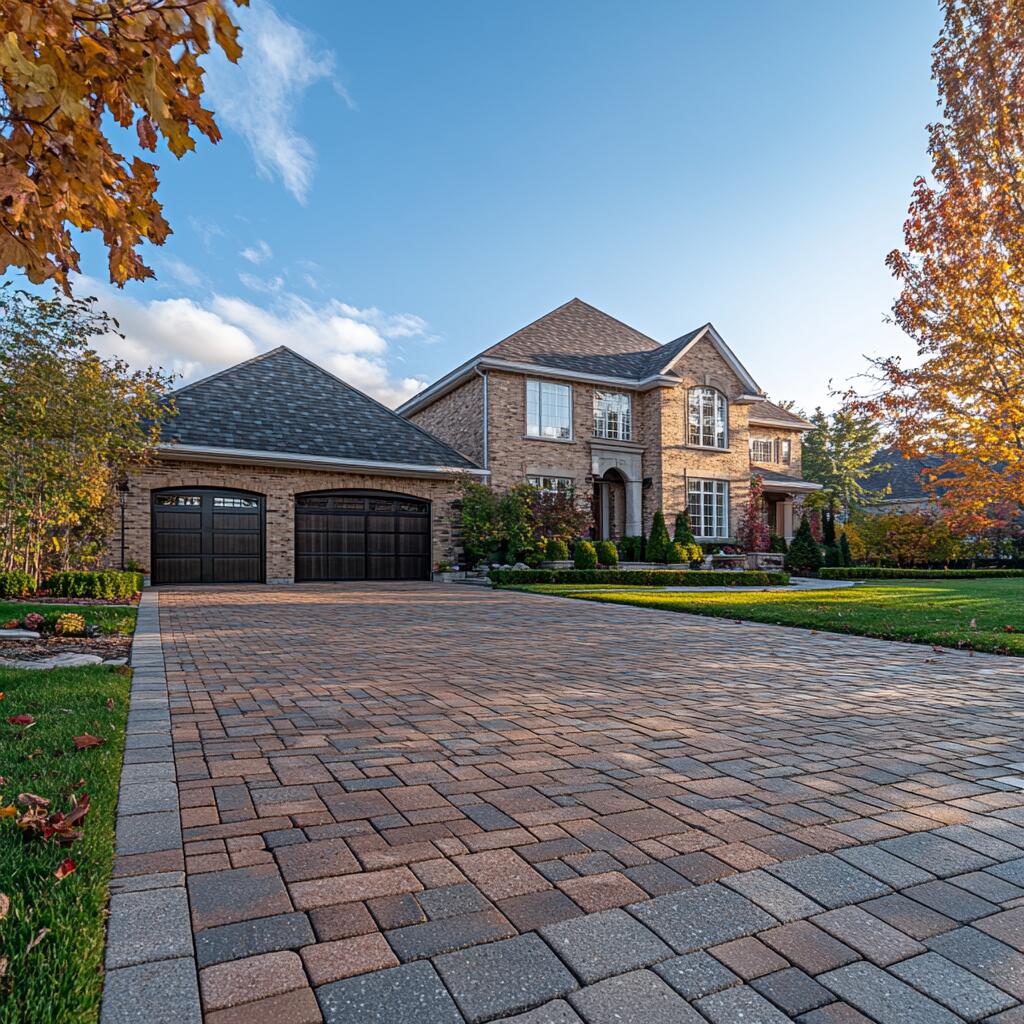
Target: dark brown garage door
(346,535)
(202,535)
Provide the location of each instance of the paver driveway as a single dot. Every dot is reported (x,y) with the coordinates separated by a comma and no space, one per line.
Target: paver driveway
(417,803)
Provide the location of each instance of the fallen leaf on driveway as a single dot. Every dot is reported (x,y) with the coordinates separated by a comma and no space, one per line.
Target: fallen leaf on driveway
(87,740)
(66,867)
(20,720)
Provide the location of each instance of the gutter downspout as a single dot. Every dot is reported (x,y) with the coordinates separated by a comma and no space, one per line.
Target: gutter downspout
(484,376)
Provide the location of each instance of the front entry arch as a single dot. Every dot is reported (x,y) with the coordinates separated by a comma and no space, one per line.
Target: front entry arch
(361,535)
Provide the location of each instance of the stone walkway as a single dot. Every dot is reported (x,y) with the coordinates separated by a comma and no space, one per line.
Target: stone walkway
(418,804)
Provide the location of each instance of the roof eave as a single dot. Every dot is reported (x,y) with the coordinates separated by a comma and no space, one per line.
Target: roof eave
(255,457)
(765,421)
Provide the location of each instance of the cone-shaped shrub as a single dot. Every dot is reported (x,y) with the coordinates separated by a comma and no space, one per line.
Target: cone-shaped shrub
(658,543)
(844,550)
(804,555)
(684,532)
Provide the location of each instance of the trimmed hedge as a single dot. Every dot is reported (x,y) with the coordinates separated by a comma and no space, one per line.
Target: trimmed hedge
(877,573)
(639,577)
(16,584)
(108,585)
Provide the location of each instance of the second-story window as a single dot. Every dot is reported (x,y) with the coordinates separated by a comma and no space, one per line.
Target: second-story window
(548,410)
(613,415)
(761,450)
(786,452)
(709,418)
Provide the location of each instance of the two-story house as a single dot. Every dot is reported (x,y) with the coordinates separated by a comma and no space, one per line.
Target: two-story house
(579,400)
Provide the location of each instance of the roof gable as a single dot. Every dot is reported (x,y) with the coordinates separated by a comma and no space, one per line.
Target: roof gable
(675,351)
(283,403)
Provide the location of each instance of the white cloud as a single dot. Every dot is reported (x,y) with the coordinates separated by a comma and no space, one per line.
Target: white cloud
(181,271)
(193,339)
(258,253)
(258,97)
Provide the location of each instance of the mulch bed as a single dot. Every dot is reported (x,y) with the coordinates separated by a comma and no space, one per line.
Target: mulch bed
(105,647)
(45,599)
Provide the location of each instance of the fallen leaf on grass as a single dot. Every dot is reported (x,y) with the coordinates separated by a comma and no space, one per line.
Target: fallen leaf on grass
(20,720)
(67,865)
(3,966)
(32,800)
(39,936)
(9,811)
(110,703)
(2,694)
(5,905)
(87,740)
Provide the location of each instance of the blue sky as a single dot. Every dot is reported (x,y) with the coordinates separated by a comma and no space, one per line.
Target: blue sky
(402,184)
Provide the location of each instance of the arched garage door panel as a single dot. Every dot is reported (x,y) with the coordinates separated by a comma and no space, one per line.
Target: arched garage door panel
(205,535)
(346,535)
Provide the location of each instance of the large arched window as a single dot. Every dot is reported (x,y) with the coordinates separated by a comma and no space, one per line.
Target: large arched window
(709,418)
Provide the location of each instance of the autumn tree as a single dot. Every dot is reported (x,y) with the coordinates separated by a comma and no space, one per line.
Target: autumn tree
(753,532)
(69,71)
(71,425)
(962,269)
(839,454)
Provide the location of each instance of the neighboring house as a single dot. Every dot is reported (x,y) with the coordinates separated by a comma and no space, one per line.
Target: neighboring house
(275,470)
(579,400)
(900,483)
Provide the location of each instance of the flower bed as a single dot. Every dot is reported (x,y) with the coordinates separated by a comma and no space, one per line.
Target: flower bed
(639,577)
(875,573)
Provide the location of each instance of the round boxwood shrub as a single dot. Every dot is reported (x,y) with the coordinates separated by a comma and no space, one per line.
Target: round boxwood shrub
(607,554)
(584,555)
(556,550)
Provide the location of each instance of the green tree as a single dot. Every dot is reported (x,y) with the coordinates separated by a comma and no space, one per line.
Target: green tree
(804,555)
(684,531)
(516,522)
(844,550)
(838,454)
(478,518)
(658,543)
(72,424)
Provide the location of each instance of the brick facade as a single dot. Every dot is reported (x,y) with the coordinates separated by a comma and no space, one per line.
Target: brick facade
(278,485)
(659,426)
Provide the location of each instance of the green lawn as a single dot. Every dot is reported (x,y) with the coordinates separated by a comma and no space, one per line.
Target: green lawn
(60,978)
(923,611)
(111,618)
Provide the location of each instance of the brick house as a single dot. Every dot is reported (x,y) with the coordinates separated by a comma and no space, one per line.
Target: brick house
(275,470)
(579,400)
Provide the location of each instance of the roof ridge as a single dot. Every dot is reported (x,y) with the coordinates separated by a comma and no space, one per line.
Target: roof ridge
(227,369)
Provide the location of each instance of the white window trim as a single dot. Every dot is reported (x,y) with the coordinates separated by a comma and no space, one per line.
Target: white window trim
(540,382)
(754,442)
(626,435)
(570,481)
(698,521)
(724,447)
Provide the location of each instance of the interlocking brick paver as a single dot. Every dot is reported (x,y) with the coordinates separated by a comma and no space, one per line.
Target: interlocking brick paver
(748,958)
(502,978)
(701,917)
(959,990)
(792,991)
(639,996)
(600,945)
(558,1011)
(378,764)
(883,997)
(410,994)
(244,981)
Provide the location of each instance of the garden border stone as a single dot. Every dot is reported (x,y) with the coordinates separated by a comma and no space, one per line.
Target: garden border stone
(136,945)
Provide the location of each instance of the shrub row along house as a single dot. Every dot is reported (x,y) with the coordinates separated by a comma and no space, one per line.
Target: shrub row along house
(275,470)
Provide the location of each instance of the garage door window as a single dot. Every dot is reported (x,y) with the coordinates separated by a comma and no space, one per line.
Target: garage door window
(179,500)
(219,502)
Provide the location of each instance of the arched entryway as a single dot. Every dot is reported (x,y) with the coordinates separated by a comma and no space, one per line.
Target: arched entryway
(361,535)
(610,505)
(207,535)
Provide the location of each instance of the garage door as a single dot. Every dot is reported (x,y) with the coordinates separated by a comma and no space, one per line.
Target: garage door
(202,535)
(345,535)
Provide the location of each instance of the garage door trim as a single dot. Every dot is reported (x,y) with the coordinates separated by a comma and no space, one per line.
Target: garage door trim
(206,532)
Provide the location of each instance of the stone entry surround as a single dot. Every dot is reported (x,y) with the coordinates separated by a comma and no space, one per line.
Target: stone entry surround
(419,803)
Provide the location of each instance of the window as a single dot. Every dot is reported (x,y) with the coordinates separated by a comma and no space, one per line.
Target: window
(179,500)
(548,410)
(235,503)
(612,415)
(786,455)
(552,484)
(709,418)
(709,508)
(760,450)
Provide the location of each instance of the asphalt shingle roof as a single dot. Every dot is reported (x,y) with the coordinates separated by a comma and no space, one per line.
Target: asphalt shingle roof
(902,476)
(765,410)
(282,402)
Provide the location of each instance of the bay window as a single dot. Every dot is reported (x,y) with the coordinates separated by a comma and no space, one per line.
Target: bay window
(708,419)
(548,410)
(709,508)
(613,415)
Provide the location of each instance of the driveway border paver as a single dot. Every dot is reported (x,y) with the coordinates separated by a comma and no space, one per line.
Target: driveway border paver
(150,955)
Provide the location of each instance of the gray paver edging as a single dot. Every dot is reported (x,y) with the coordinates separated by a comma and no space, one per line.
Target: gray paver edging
(150,957)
